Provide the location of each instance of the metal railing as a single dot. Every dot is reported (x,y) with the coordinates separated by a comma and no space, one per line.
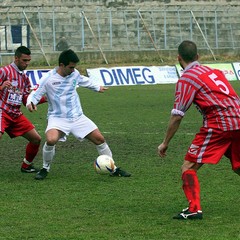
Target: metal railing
(121,30)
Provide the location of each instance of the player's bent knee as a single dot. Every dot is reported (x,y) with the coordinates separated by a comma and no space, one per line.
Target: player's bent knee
(96,137)
(51,141)
(98,141)
(187,165)
(36,141)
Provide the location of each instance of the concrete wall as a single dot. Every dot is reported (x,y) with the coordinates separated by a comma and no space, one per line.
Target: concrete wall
(136,4)
(125,35)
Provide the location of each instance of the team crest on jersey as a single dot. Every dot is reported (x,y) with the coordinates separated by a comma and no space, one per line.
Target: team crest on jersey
(193,149)
(14,83)
(74,83)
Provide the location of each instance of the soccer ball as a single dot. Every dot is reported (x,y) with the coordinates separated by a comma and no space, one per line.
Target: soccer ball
(104,164)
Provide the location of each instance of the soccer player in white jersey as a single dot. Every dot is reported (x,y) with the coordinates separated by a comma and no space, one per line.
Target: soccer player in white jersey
(219,104)
(65,114)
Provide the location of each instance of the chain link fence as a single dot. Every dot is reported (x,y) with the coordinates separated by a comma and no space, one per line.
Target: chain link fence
(119,30)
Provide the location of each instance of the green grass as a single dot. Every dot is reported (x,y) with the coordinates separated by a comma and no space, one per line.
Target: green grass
(74,202)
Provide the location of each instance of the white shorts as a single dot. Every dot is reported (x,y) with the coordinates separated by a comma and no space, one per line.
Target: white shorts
(80,127)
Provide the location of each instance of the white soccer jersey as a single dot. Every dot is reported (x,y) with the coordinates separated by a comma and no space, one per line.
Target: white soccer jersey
(63,99)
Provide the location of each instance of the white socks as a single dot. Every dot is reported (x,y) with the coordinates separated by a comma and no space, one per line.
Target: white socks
(48,154)
(103,149)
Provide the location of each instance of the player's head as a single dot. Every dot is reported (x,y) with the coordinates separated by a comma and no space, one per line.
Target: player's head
(187,52)
(22,50)
(68,56)
(67,61)
(22,57)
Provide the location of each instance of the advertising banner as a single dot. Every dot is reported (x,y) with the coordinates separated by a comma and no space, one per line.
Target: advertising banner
(236,67)
(227,69)
(141,75)
(35,75)
(134,75)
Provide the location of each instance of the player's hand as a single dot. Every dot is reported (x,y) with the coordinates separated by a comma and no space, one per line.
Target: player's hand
(162,148)
(102,89)
(6,84)
(31,107)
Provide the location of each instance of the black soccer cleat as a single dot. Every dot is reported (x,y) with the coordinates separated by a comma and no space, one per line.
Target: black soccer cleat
(186,214)
(41,174)
(120,173)
(29,169)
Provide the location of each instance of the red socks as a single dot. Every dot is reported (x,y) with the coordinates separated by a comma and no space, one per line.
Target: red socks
(191,189)
(31,152)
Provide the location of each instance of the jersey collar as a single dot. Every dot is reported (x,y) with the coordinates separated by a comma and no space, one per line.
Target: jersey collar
(191,65)
(16,68)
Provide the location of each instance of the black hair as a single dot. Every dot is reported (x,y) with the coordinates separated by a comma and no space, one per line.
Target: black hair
(188,51)
(22,50)
(68,56)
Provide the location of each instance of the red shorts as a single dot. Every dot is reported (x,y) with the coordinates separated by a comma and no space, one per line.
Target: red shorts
(209,145)
(14,127)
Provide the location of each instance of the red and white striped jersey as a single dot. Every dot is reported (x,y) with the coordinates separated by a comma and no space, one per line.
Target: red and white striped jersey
(212,94)
(12,98)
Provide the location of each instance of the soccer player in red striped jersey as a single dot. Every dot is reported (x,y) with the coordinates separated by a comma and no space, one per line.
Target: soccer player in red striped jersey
(14,89)
(219,105)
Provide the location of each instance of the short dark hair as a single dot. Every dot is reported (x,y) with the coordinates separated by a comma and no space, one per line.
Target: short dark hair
(68,56)
(22,50)
(188,51)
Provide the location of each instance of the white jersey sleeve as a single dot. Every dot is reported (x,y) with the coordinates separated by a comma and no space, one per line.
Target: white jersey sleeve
(86,82)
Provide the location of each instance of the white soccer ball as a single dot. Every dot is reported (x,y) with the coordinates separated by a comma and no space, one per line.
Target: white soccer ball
(104,164)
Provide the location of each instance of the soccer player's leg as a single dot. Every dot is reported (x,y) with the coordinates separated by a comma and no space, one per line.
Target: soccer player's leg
(48,152)
(32,148)
(21,126)
(97,138)
(103,149)
(85,128)
(191,188)
(31,152)
(207,147)
(233,152)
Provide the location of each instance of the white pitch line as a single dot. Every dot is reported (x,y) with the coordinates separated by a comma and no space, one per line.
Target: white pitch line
(147,133)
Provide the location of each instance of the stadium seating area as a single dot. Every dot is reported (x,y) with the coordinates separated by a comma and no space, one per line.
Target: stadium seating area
(119,25)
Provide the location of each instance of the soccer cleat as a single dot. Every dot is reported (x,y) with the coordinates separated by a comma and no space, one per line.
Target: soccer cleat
(186,214)
(29,169)
(120,173)
(41,174)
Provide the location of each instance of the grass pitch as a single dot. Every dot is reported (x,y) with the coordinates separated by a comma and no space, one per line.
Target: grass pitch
(74,202)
